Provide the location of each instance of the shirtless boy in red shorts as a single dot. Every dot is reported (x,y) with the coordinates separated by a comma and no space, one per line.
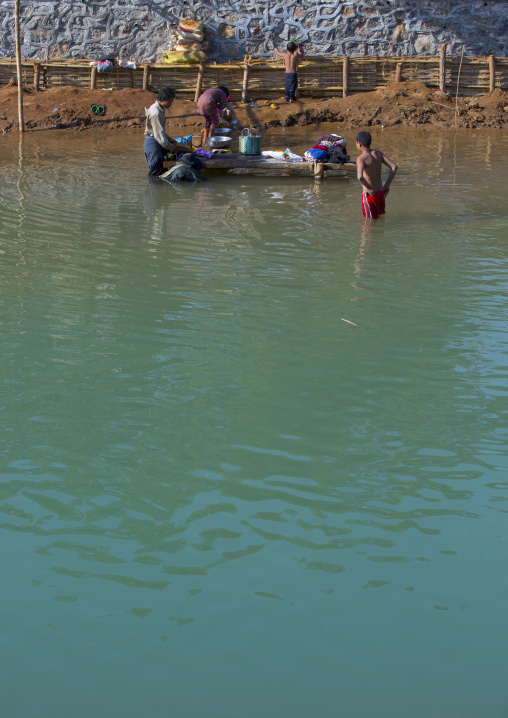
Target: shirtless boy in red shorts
(369,164)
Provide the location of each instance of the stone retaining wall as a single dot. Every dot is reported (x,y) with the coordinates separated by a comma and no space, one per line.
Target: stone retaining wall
(141,29)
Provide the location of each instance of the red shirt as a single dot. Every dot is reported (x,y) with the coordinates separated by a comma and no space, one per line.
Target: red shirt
(211,101)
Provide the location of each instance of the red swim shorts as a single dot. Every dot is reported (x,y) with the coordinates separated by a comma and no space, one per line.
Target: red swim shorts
(373,206)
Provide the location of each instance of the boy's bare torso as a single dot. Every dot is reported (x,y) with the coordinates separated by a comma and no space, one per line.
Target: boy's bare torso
(371,161)
(291,59)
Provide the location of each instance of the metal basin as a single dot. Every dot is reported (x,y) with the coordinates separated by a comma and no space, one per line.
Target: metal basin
(218,141)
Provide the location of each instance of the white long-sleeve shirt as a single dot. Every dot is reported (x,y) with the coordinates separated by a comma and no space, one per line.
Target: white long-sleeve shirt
(156,125)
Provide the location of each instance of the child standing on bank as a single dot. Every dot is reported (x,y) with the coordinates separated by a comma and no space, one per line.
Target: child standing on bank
(292,59)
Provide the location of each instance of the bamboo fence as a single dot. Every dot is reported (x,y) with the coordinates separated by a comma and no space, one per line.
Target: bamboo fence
(263,78)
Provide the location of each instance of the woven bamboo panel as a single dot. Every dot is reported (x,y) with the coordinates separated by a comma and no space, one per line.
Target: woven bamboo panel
(318,77)
(371,73)
(228,75)
(265,83)
(60,75)
(363,76)
(120,77)
(502,73)
(472,76)
(419,69)
(27,71)
(375,74)
(386,70)
(182,77)
(137,78)
(8,72)
(67,61)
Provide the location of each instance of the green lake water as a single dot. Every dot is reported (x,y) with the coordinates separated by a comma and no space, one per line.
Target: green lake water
(254,452)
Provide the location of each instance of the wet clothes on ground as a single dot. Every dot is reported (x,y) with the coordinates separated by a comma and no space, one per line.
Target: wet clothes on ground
(187,167)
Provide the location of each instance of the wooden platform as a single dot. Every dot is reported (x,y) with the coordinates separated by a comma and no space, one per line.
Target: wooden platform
(256,164)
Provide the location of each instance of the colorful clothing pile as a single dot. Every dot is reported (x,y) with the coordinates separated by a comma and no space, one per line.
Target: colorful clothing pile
(317,153)
(336,147)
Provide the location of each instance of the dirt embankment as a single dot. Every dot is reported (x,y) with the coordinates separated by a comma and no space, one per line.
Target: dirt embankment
(403,103)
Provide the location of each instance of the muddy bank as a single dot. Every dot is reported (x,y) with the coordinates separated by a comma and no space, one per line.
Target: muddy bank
(405,103)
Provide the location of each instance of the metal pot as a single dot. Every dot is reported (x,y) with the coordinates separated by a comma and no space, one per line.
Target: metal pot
(218,141)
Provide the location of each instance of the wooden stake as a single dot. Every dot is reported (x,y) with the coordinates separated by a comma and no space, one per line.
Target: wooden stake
(398,72)
(93,77)
(345,76)
(442,67)
(319,170)
(146,73)
(199,81)
(245,86)
(18,66)
(492,72)
(457,94)
(37,74)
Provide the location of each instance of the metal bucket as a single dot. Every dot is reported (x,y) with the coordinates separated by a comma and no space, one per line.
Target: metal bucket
(250,142)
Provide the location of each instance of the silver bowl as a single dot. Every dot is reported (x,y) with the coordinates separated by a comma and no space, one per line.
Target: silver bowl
(222,131)
(218,141)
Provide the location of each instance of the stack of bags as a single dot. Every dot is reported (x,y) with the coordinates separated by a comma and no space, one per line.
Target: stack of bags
(188,48)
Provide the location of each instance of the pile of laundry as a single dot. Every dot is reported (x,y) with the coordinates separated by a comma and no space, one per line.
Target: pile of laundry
(186,168)
(187,44)
(328,148)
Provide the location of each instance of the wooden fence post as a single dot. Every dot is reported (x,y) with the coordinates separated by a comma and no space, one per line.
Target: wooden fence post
(37,74)
(492,72)
(442,67)
(345,76)
(398,72)
(245,86)
(19,71)
(146,72)
(93,77)
(199,81)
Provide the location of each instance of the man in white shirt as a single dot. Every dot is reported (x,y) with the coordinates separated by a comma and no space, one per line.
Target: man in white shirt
(157,142)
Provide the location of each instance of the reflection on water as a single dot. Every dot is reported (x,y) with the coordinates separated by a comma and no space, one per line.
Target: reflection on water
(272,433)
